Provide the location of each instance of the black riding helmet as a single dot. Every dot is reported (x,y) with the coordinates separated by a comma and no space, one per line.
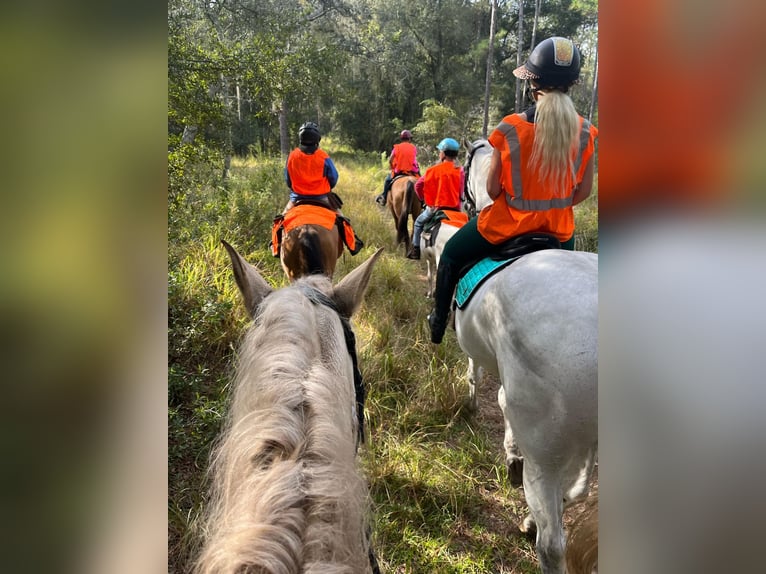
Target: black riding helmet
(308,134)
(554,63)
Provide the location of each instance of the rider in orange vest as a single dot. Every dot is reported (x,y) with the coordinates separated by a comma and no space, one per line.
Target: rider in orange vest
(310,173)
(442,187)
(403,159)
(542,165)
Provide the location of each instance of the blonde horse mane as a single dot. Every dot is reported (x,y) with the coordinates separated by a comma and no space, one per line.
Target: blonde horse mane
(286,493)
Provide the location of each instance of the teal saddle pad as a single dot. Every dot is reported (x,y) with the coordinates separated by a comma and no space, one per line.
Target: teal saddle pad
(475,276)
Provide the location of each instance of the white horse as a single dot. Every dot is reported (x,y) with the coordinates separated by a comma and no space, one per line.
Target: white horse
(476,171)
(432,253)
(534,325)
(287,495)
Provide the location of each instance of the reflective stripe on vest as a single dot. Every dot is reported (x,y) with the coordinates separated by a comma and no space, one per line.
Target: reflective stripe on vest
(518,202)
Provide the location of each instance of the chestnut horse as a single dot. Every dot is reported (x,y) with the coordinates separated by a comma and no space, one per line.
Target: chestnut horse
(403,203)
(310,249)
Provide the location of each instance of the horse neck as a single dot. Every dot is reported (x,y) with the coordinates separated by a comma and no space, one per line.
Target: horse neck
(285,469)
(295,346)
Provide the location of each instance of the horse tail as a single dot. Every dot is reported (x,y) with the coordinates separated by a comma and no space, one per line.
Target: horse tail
(312,251)
(402,231)
(582,543)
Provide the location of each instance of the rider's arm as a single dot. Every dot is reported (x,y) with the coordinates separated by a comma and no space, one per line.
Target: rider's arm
(493,177)
(330,172)
(583,189)
(419,187)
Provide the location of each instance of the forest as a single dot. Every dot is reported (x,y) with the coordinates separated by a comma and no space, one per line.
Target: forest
(243,74)
(242,77)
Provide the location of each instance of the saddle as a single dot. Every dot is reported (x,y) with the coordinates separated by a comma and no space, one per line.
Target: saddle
(403,174)
(308,212)
(475,273)
(433,224)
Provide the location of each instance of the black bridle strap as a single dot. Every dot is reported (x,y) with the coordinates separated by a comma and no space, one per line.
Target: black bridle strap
(360,392)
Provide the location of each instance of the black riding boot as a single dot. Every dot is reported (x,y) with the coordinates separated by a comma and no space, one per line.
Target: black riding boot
(383,197)
(446,280)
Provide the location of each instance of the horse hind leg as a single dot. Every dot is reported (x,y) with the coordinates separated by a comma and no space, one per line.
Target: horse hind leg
(545,501)
(402,231)
(514,461)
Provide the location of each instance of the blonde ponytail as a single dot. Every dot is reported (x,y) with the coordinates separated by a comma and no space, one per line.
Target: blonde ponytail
(556,127)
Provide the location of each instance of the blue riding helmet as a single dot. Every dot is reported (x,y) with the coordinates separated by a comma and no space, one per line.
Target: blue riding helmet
(448,144)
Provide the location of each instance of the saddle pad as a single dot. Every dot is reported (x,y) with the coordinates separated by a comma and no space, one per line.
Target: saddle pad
(475,276)
(456,218)
(307,214)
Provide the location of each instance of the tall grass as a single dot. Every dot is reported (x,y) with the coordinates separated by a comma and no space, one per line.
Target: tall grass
(441,499)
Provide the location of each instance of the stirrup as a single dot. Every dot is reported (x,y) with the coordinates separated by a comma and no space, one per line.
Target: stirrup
(380,200)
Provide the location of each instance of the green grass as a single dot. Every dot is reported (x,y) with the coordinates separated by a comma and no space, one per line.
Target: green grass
(441,500)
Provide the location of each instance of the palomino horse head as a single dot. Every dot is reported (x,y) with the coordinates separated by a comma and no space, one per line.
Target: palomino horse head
(310,249)
(534,325)
(287,495)
(403,203)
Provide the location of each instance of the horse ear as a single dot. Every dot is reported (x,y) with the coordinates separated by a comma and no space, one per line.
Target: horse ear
(468,145)
(252,286)
(348,294)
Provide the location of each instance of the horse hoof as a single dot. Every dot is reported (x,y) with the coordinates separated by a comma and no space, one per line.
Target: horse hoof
(515,472)
(529,527)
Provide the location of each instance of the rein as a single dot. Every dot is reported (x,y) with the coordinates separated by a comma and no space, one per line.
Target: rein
(360,393)
(470,199)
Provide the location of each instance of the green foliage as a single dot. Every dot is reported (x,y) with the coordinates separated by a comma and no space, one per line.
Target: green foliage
(359,68)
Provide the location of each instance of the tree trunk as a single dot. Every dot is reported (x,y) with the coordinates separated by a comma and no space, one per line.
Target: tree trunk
(239,104)
(534,24)
(519,49)
(190,132)
(284,138)
(488,80)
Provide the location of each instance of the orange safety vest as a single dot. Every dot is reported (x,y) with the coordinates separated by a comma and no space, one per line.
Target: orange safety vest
(527,205)
(441,185)
(404,158)
(307,172)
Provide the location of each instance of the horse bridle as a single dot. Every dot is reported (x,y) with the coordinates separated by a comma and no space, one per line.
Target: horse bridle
(470,199)
(360,392)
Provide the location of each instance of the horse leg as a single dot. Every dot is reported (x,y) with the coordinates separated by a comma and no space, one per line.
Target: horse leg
(577,489)
(514,461)
(430,273)
(545,500)
(475,377)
